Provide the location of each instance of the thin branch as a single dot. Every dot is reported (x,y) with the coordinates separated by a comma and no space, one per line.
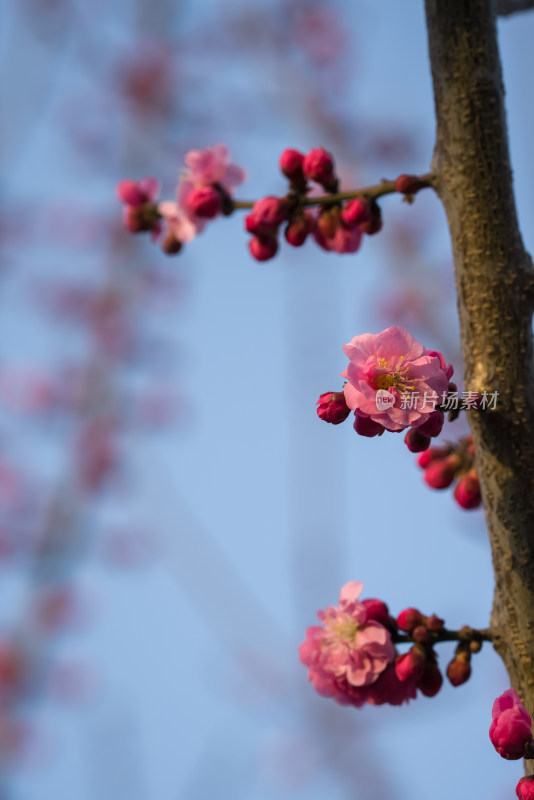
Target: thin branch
(507,7)
(463,635)
(369,192)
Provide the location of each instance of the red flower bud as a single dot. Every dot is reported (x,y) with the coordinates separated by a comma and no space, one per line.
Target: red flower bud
(467,491)
(433,454)
(365,426)
(431,679)
(374,223)
(415,441)
(525,788)
(291,164)
(262,248)
(355,212)
(171,245)
(378,611)
(511,727)
(298,230)
(131,193)
(408,184)
(328,222)
(318,166)
(459,670)
(440,474)
(432,427)
(408,619)
(421,634)
(434,623)
(205,202)
(411,664)
(331,407)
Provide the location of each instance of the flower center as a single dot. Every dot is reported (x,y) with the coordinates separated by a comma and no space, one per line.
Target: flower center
(391,376)
(346,629)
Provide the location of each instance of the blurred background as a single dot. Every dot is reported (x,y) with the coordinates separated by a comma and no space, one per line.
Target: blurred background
(172,512)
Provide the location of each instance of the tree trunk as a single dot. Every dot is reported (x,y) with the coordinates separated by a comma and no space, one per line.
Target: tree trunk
(494,280)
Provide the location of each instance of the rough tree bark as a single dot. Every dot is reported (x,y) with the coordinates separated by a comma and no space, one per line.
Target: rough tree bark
(494,279)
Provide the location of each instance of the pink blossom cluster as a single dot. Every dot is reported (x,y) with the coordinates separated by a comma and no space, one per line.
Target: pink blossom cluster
(204,192)
(351,657)
(511,735)
(384,371)
(337,226)
(443,465)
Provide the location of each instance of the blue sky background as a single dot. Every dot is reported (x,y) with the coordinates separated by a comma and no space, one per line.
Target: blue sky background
(262,511)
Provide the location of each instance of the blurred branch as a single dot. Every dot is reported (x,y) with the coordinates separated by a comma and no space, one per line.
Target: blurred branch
(507,7)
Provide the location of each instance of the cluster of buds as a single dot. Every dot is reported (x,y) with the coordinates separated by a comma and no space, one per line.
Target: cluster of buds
(444,465)
(419,664)
(511,735)
(204,192)
(339,226)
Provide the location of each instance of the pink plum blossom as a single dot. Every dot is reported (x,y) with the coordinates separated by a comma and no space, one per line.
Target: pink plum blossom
(351,656)
(207,168)
(511,727)
(212,166)
(393,362)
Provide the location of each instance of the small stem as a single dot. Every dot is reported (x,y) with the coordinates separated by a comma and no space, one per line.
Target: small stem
(484,635)
(372,192)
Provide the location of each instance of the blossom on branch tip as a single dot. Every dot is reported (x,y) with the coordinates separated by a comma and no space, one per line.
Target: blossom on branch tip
(431,679)
(459,669)
(351,656)
(207,183)
(511,727)
(392,362)
(140,212)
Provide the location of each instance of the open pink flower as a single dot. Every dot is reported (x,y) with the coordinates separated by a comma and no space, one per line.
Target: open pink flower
(392,379)
(347,655)
(511,727)
(212,166)
(207,168)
